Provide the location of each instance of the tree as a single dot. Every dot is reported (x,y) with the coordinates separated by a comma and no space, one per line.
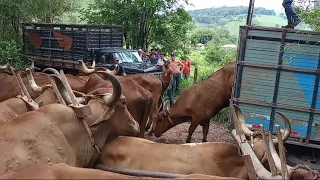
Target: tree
(144,21)
(14,12)
(218,36)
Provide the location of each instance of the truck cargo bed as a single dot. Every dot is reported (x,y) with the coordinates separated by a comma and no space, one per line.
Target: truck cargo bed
(278,70)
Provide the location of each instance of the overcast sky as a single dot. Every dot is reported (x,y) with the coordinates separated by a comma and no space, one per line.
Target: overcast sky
(268,4)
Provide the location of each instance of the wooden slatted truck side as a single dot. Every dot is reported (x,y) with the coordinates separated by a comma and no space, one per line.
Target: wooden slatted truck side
(278,70)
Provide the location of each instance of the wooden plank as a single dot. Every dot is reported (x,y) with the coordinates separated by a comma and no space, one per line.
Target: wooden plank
(262,33)
(262,53)
(303,37)
(248,108)
(303,49)
(263,45)
(284,170)
(249,165)
(294,115)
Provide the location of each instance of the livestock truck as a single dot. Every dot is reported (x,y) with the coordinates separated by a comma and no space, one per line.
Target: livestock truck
(61,46)
(278,69)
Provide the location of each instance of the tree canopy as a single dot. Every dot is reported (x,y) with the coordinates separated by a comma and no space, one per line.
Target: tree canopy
(164,23)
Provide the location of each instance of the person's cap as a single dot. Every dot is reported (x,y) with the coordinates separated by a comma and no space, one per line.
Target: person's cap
(140,50)
(116,59)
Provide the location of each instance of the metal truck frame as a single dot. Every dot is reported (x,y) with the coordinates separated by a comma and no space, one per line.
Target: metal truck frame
(61,46)
(278,69)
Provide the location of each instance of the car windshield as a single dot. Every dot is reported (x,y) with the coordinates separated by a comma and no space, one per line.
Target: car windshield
(130,56)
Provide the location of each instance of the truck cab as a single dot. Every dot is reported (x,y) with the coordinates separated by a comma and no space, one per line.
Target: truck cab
(128,59)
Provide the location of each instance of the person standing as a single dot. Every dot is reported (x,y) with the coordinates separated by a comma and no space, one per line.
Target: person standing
(174,64)
(153,59)
(161,60)
(293,18)
(187,65)
(167,78)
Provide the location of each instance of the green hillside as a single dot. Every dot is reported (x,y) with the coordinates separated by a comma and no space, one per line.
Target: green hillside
(231,18)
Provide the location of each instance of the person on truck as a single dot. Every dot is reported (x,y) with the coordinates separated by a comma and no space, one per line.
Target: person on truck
(293,18)
(167,78)
(121,71)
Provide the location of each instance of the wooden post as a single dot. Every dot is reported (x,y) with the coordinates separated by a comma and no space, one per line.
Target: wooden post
(249,165)
(56,90)
(23,88)
(284,170)
(195,76)
(271,162)
(69,90)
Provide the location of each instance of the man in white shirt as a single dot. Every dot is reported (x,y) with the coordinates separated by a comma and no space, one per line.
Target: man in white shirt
(161,60)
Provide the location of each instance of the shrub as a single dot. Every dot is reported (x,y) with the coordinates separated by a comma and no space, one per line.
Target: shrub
(9,49)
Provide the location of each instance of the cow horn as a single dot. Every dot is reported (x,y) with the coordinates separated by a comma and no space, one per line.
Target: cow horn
(116,89)
(93,65)
(32,65)
(51,71)
(240,119)
(62,89)
(116,70)
(169,119)
(287,129)
(274,154)
(84,68)
(5,66)
(32,82)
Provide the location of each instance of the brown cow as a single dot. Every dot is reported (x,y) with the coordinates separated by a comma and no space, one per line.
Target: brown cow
(57,134)
(199,103)
(13,107)
(154,85)
(65,171)
(148,81)
(214,158)
(139,100)
(140,93)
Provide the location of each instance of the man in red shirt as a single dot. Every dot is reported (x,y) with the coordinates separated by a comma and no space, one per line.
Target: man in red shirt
(186,70)
(174,64)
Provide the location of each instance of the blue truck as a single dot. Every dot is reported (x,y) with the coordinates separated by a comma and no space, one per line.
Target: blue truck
(278,69)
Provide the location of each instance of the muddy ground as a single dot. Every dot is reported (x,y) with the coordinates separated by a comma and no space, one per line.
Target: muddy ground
(178,134)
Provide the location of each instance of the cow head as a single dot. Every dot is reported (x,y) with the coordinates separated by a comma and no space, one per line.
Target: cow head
(108,108)
(162,121)
(258,143)
(84,69)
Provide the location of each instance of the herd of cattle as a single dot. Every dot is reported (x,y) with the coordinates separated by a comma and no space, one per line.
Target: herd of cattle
(91,126)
